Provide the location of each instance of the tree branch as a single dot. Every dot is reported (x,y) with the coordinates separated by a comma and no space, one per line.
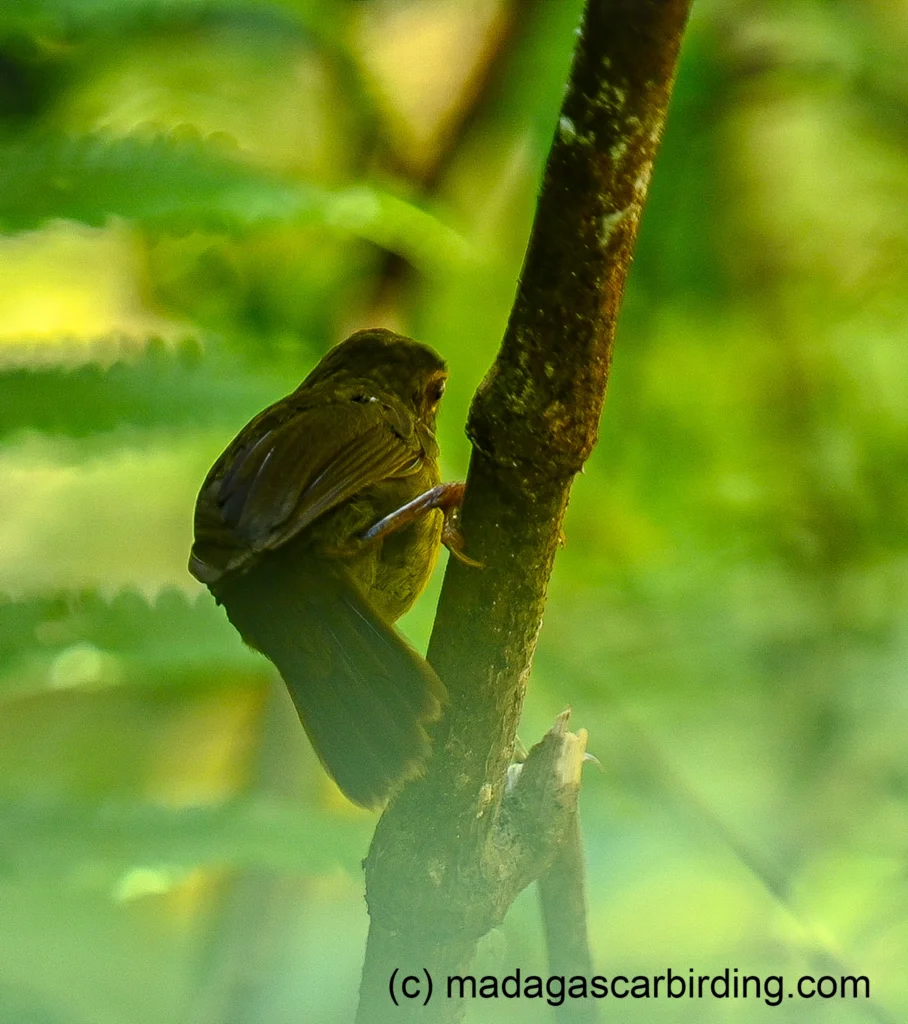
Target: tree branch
(453,851)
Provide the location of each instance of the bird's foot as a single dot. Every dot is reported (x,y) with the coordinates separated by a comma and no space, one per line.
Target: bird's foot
(453,540)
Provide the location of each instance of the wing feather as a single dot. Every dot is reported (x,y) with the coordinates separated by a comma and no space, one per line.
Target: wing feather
(262,492)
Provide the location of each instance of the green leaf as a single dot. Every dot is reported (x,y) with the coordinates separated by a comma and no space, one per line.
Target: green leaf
(81,641)
(42,17)
(110,512)
(158,179)
(171,182)
(165,388)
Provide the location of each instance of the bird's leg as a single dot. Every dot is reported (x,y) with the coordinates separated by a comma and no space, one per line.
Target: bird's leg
(447,498)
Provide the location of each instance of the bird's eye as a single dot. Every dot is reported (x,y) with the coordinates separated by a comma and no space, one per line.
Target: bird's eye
(435,390)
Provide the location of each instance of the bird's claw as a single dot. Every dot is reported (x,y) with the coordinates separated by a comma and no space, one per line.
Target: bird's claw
(453,540)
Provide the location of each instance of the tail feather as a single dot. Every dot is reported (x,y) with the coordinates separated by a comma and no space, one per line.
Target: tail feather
(363,694)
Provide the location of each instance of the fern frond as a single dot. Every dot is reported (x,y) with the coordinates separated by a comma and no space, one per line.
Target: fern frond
(74,641)
(164,388)
(319,18)
(108,512)
(181,185)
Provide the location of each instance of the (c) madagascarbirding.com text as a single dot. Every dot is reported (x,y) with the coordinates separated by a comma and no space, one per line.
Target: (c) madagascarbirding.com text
(556,989)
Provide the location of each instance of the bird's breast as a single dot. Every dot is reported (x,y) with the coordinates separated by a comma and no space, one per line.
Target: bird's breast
(394,571)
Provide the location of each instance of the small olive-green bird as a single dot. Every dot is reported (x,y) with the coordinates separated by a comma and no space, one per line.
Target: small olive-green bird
(317,529)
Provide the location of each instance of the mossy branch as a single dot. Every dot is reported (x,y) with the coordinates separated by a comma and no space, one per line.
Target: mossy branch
(451,854)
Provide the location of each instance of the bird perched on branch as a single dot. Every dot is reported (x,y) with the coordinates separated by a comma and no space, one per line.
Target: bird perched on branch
(317,529)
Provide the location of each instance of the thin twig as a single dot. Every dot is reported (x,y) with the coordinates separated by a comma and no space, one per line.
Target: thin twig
(562,899)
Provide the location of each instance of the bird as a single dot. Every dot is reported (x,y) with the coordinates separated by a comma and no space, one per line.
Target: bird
(317,528)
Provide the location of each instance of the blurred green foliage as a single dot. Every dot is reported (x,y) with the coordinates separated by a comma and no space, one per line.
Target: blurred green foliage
(198,197)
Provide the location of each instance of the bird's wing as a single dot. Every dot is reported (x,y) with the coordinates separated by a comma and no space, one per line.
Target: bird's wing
(283,472)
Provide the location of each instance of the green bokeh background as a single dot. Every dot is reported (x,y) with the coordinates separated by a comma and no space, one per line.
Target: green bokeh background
(199,197)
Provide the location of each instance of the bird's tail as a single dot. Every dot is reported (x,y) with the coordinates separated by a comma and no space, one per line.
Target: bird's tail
(363,694)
